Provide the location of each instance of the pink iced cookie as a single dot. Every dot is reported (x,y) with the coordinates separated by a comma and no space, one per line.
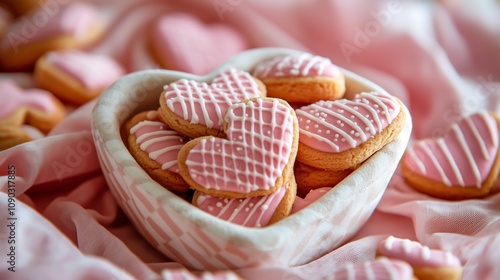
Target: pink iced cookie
(197,109)
(426,263)
(255,159)
(35,107)
(255,211)
(463,163)
(341,134)
(70,26)
(76,76)
(182,42)
(312,196)
(156,147)
(302,78)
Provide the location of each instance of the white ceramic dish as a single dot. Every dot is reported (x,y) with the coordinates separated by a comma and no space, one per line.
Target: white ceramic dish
(201,241)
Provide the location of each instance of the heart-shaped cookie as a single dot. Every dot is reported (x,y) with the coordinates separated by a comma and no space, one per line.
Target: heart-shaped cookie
(155,147)
(341,134)
(257,211)
(255,159)
(197,109)
(35,107)
(175,43)
(301,78)
(463,163)
(426,263)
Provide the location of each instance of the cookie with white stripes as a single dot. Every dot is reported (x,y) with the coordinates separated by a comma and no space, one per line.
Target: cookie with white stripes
(301,78)
(257,211)
(341,134)
(197,109)
(155,147)
(254,159)
(462,163)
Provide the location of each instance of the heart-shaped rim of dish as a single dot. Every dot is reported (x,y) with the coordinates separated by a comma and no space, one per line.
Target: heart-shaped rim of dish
(111,111)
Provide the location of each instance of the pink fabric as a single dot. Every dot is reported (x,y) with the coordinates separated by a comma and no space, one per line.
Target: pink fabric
(441,59)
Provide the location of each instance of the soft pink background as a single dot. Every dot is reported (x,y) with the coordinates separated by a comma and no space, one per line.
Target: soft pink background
(442,58)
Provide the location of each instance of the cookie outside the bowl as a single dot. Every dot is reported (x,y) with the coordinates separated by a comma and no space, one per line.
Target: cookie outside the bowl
(463,163)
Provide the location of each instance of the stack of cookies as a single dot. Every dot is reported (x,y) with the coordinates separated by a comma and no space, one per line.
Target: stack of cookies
(243,146)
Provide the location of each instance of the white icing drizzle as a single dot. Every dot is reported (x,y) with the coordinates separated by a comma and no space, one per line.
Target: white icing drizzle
(449,257)
(435,162)
(370,274)
(347,114)
(426,253)
(350,270)
(245,145)
(444,148)
(420,165)
(160,134)
(389,242)
(249,205)
(406,246)
(297,65)
(466,149)
(211,101)
(475,141)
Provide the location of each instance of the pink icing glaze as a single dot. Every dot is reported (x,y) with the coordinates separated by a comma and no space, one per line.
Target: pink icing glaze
(255,153)
(72,19)
(312,196)
(301,65)
(14,98)
(416,254)
(92,70)
(339,125)
(462,157)
(179,35)
(250,212)
(205,104)
(160,143)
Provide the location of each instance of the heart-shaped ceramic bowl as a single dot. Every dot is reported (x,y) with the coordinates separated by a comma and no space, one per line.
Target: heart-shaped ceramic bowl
(201,241)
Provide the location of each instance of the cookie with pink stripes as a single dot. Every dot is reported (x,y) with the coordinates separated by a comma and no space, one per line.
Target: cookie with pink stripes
(76,24)
(197,109)
(256,157)
(155,147)
(428,264)
(463,163)
(341,134)
(257,211)
(301,78)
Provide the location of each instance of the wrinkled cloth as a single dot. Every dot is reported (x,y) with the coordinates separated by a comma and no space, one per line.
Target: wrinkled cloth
(441,58)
